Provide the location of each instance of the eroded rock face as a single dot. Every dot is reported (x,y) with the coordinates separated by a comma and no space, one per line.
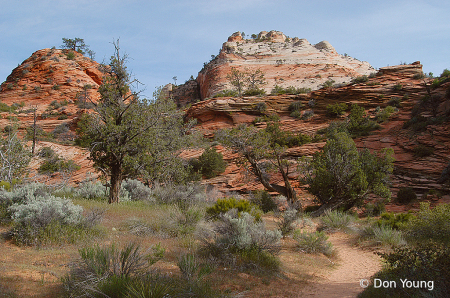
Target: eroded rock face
(402,82)
(284,61)
(54,82)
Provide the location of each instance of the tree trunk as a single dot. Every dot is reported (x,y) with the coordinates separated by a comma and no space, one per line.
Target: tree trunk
(286,190)
(291,195)
(116,182)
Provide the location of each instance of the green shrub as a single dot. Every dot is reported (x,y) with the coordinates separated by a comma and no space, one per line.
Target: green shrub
(263,200)
(254,92)
(406,195)
(359,123)
(375,209)
(47,220)
(261,107)
(336,220)
(430,224)
(295,106)
(429,263)
(70,55)
(137,190)
(398,87)
(222,206)
(55,164)
(47,152)
(210,163)
(382,235)
(384,114)
(287,221)
(241,240)
(108,271)
(313,242)
(337,109)
(91,190)
(361,79)
(307,114)
(423,151)
(394,220)
(395,102)
(226,93)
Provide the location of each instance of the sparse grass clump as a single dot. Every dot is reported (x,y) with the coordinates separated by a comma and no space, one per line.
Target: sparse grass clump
(382,236)
(313,242)
(336,220)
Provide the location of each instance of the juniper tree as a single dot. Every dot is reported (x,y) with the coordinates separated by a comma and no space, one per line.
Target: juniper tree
(76,44)
(341,176)
(261,151)
(129,136)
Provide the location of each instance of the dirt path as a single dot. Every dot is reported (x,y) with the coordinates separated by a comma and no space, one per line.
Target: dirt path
(353,264)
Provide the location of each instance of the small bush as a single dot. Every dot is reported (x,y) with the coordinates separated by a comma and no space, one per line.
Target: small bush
(361,79)
(337,109)
(47,152)
(210,163)
(406,195)
(313,242)
(430,224)
(137,190)
(261,107)
(55,164)
(395,221)
(263,200)
(429,263)
(384,115)
(423,151)
(307,114)
(108,271)
(47,219)
(70,55)
(226,93)
(375,209)
(295,106)
(90,190)
(383,235)
(395,102)
(222,206)
(183,195)
(287,221)
(336,220)
(254,92)
(242,241)
(398,87)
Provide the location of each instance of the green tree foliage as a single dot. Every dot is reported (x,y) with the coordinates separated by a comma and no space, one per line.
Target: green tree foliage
(247,80)
(76,44)
(340,176)
(211,163)
(129,136)
(14,157)
(262,151)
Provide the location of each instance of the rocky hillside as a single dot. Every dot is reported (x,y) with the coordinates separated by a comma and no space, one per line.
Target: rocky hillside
(422,149)
(58,84)
(285,62)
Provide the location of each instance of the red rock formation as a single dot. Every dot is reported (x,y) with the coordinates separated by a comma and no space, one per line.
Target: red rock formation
(284,61)
(52,75)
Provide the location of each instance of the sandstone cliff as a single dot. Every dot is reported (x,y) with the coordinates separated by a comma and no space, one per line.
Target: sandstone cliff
(58,83)
(403,84)
(284,61)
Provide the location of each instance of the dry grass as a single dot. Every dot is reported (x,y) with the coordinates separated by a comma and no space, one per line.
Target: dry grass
(28,271)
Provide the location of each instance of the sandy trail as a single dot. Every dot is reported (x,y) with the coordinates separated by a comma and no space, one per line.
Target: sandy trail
(353,264)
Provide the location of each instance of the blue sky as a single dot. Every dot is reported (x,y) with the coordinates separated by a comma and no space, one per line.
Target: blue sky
(174,38)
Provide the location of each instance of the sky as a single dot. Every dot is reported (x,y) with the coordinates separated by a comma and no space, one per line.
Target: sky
(164,39)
